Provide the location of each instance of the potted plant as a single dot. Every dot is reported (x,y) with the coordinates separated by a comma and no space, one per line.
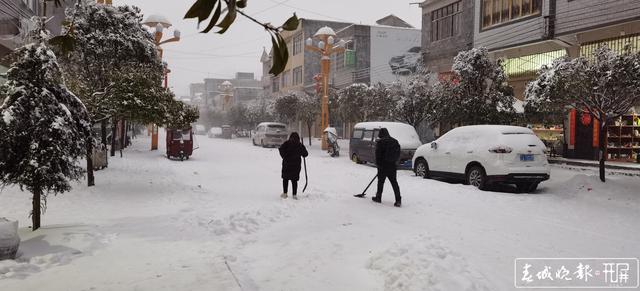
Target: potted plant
(9,239)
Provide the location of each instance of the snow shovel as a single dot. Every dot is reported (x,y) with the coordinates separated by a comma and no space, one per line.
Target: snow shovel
(365,189)
(306,179)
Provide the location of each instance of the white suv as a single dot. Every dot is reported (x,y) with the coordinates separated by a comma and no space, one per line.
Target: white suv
(485,154)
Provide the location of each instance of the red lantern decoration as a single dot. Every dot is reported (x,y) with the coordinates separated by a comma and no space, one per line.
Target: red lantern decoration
(586,118)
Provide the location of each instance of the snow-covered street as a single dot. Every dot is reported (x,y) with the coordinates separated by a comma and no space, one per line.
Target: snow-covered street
(216,222)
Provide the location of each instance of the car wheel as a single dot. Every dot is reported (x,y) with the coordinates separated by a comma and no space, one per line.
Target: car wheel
(355,159)
(476,177)
(262,143)
(254,142)
(527,187)
(422,169)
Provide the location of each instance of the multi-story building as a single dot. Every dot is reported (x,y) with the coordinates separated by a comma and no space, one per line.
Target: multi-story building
(302,66)
(447,29)
(15,21)
(376,53)
(528,34)
(244,86)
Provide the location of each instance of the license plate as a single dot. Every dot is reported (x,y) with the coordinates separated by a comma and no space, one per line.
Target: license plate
(526,158)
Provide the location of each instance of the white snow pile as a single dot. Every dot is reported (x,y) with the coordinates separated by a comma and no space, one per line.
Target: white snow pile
(425,264)
(21,269)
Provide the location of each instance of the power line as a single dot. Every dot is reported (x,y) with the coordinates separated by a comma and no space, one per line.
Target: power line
(312,12)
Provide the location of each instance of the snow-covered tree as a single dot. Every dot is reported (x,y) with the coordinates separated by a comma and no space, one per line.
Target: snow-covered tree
(380,102)
(237,115)
(286,107)
(606,86)
(479,94)
(414,101)
(259,110)
(352,102)
(309,111)
(106,40)
(44,128)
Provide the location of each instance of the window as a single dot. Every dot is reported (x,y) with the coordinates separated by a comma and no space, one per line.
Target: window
(297,44)
(368,135)
(358,133)
(445,22)
(501,11)
(275,84)
(285,79)
(297,76)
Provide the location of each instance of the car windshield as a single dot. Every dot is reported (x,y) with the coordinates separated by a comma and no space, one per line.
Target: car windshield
(276,127)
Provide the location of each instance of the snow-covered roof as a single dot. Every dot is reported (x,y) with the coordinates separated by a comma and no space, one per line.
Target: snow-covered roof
(325,31)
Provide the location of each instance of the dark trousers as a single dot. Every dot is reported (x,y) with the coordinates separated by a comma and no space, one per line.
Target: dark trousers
(390,174)
(285,186)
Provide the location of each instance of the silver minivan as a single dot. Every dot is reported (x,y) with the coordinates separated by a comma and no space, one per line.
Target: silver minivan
(270,134)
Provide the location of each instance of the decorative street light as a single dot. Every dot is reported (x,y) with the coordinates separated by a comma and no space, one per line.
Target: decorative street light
(227,95)
(160,23)
(325,46)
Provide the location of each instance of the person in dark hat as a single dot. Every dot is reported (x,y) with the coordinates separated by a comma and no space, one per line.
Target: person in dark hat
(387,156)
(291,152)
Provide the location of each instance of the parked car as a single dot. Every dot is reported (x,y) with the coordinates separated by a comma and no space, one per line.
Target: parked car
(481,155)
(270,134)
(362,144)
(215,132)
(200,129)
(406,63)
(227,132)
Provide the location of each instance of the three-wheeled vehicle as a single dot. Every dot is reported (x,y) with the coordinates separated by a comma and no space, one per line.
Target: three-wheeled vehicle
(332,141)
(179,143)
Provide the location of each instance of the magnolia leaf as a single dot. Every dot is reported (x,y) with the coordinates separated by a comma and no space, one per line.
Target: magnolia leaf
(291,24)
(214,19)
(280,54)
(201,9)
(229,18)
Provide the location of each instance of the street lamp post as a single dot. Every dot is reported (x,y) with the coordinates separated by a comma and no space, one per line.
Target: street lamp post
(326,47)
(159,23)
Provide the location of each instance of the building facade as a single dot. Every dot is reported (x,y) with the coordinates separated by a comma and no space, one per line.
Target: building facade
(447,29)
(528,34)
(377,53)
(302,66)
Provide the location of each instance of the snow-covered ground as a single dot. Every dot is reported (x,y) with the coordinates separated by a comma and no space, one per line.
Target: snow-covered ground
(216,222)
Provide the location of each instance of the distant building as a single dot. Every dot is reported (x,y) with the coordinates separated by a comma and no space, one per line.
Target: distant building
(245,89)
(303,65)
(377,53)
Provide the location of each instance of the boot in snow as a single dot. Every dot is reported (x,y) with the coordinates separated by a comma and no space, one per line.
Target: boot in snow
(397,204)
(295,197)
(376,199)
(283,195)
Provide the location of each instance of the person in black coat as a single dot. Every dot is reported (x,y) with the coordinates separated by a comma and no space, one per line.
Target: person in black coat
(387,169)
(291,152)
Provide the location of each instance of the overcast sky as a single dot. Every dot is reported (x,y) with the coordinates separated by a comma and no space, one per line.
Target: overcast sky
(198,56)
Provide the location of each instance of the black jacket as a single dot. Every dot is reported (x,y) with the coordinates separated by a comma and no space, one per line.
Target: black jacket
(384,144)
(292,152)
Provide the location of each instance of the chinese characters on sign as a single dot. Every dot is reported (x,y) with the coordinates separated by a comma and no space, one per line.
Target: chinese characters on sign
(577,273)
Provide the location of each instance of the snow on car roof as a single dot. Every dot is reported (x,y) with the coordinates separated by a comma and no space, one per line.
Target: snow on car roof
(502,129)
(271,123)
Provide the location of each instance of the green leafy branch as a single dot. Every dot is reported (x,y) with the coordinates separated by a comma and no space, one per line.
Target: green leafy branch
(223,13)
